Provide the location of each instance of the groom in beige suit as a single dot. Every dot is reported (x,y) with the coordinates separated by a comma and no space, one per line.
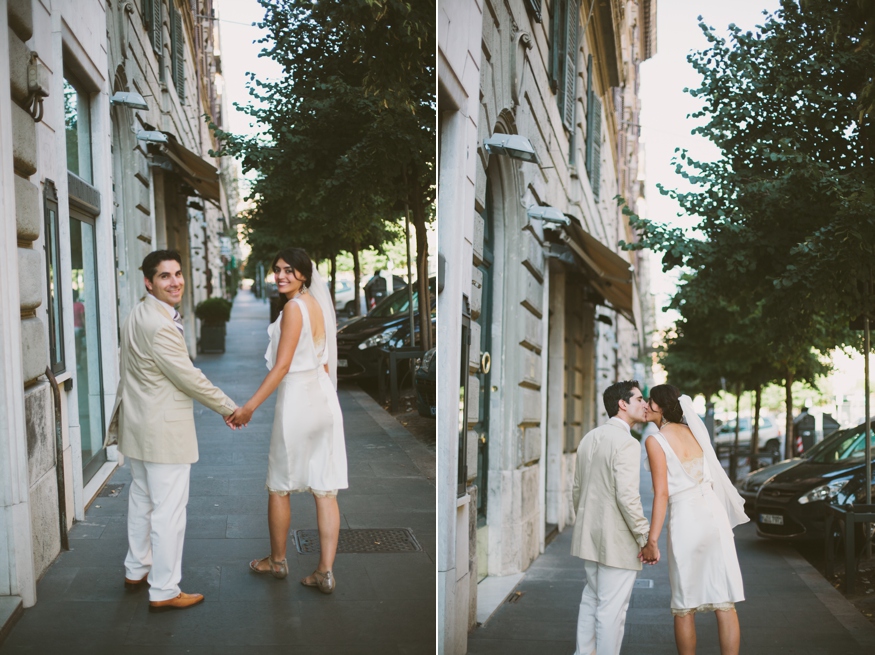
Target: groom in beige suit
(610,531)
(153,421)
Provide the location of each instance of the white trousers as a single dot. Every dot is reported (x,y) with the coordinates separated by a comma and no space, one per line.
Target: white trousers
(156,525)
(602,618)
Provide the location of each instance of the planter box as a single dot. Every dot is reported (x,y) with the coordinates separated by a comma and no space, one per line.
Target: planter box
(213,338)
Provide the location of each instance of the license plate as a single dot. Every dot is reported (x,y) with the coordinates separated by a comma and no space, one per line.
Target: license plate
(772,519)
(342,363)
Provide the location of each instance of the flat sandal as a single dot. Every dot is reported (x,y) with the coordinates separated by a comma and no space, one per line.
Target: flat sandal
(324,581)
(279,573)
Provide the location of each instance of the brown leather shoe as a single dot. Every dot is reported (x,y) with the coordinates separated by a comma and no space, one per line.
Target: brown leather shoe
(182,601)
(134,584)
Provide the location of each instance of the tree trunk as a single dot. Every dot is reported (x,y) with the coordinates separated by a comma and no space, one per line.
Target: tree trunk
(419,215)
(733,456)
(755,433)
(788,426)
(333,261)
(357,278)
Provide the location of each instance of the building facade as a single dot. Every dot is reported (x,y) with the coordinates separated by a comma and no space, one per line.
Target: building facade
(103,158)
(540,309)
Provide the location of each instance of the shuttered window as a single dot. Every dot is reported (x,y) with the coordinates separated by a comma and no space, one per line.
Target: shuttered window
(152,18)
(565,23)
(176,54)
(593,132)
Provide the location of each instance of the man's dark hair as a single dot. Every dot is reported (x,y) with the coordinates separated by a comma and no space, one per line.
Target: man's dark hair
(154,259)
(617,392)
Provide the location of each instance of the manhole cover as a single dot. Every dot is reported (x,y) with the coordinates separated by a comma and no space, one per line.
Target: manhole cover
(391,540)
(111,490)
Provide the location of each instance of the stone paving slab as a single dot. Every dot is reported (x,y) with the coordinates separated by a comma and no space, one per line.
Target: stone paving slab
(789,608)
(384,603)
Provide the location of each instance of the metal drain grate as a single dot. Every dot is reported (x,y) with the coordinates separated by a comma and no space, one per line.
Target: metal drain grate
(111,490)
(391,540)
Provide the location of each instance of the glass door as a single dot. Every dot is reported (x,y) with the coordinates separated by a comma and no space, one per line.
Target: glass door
(86,328)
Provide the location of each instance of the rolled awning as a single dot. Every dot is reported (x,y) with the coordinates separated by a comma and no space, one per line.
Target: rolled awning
(609,273)
(199,173)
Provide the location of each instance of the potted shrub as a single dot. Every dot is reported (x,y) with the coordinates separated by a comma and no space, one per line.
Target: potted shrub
(213,313)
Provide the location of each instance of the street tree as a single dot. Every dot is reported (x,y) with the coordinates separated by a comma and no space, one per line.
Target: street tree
(349,126)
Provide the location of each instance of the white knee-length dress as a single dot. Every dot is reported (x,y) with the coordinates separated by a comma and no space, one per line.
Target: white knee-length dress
(307,447)
(702,563)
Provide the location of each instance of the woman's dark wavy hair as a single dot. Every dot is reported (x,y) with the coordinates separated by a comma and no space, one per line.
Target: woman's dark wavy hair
(298,259)
(667,397)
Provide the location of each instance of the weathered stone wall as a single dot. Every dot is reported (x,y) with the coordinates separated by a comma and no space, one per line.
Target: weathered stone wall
(39,411)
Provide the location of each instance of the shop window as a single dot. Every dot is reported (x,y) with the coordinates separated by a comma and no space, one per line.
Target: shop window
(77,124)
(56,325)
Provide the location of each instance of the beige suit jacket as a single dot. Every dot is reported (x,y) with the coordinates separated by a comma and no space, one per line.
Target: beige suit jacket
(153,417)
(610,527)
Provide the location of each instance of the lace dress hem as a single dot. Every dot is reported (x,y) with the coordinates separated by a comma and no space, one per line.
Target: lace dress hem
(708,607)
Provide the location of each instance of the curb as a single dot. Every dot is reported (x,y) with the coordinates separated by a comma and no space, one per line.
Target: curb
(420,455)
(858,626)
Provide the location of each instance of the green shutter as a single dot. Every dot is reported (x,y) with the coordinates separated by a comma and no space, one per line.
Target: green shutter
(570,63)
(593,132)
(157,34)
(177,50)
(557,14)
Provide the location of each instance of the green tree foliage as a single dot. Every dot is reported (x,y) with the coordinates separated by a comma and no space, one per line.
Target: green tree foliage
(349,127)
(787,211)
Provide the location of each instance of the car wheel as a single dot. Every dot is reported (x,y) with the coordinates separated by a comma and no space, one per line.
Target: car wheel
(773,448)
(350,308)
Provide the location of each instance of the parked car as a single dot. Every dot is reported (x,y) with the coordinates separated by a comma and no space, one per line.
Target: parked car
(425,384)
(750,485)
(386,326)
(769,439)
(792,503)
(344,297)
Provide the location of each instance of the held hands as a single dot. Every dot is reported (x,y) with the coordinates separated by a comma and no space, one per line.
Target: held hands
(239,419)
(649,554)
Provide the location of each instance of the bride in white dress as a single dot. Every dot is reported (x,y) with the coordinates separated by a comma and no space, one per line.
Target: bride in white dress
(702,505)
(307,448)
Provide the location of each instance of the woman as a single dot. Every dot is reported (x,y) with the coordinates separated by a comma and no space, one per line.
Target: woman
(307,450)
(687,477)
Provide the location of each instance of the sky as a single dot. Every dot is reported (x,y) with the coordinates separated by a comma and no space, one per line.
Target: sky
(665,106)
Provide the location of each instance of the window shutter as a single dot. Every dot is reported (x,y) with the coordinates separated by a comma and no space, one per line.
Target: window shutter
(557,9)
(157,32)
(534,7)
(177,51)
(570,62)
(593,132)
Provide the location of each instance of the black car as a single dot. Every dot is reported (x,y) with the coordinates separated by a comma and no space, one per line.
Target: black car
(792,504)
(386,326)
(425,383)
(750,486)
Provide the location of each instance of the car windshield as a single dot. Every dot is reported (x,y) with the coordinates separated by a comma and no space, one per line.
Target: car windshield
(843,446)
(397,303)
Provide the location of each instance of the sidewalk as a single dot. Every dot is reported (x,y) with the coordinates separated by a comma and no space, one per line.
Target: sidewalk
(384,602)
(790,607)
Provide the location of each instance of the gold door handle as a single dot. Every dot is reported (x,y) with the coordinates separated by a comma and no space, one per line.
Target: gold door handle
(485,363)
(482,438)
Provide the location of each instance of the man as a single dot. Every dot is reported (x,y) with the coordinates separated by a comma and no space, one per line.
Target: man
(610,531)
(153,420)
